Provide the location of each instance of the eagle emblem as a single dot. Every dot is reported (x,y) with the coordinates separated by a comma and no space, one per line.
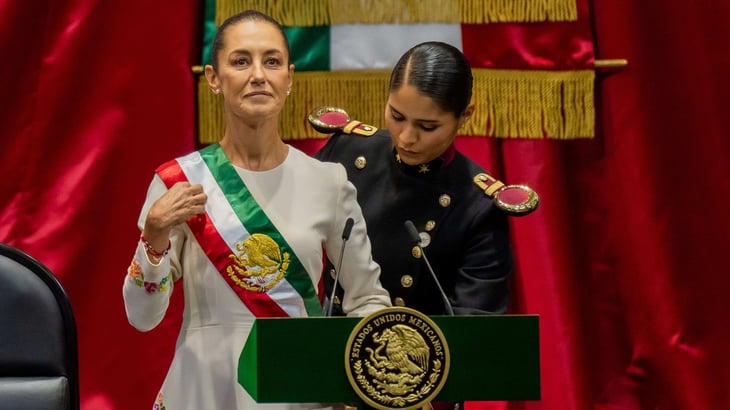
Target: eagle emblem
(259,263)
(405,350)
(397,358)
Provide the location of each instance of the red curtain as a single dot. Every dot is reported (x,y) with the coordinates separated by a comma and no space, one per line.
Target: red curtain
(95,94)
(623,260)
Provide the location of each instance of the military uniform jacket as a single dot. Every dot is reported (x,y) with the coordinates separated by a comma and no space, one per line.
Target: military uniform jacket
(463,234)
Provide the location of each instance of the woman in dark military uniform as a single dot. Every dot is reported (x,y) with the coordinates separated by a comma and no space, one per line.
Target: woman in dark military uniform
(413,172)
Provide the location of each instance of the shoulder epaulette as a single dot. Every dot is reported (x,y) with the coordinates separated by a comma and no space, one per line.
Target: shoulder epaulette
(332,119)
(517,200)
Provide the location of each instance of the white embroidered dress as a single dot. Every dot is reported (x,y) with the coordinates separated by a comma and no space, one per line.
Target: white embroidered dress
(308,202)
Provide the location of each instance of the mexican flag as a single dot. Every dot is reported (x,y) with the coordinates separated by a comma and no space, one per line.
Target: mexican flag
(532,61)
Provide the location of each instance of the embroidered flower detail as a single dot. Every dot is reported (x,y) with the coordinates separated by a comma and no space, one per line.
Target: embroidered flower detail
(159,404)
(164,283)
(135,273)
(134,270)
(162,286)
(151,287)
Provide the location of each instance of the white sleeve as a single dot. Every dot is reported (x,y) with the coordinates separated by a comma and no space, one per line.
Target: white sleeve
(147,287)
(359,273)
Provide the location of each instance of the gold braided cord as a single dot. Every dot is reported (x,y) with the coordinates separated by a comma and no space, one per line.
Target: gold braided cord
(331,12)
(509,103)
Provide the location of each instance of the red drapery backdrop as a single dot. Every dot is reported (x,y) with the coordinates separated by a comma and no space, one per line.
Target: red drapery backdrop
(95,95)
(623,260)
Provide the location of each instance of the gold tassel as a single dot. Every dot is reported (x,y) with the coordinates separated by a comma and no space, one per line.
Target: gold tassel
(509,103)
(331,12)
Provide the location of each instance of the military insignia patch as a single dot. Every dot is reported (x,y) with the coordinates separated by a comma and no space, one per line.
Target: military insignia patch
(397,358)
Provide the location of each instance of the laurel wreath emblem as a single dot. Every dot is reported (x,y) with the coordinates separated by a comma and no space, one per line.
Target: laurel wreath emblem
(397,358)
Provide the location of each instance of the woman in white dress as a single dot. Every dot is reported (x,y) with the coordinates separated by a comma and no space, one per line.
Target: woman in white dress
(245,224)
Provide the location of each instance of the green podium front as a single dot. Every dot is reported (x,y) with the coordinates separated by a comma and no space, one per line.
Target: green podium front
(302,360)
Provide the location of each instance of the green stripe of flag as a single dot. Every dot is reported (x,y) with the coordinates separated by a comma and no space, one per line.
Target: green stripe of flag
(209,29)
(310,47)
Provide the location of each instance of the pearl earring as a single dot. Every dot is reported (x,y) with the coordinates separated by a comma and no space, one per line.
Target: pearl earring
(288,92)
(216,91)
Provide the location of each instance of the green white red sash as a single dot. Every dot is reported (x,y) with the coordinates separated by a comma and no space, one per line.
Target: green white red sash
(232,218)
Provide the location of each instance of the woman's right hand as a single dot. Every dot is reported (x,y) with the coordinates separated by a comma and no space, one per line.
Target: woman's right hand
(182,201)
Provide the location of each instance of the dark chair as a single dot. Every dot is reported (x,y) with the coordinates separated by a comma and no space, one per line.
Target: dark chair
(38,345)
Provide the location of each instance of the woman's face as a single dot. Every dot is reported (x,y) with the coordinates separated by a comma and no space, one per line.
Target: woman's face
(253,74)
(420,130)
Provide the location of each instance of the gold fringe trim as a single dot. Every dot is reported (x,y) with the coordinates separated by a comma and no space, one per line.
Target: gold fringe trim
(517,11)
(509,103)
(331,12)
(363,92)
(533,104)
(211,119)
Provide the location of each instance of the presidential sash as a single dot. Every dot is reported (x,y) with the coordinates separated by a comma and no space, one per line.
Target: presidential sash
(240,240)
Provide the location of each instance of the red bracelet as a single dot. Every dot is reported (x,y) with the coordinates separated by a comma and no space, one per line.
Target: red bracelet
(151,250)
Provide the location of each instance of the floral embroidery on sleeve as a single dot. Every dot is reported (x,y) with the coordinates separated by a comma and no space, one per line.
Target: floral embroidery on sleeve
(159,404)
(135,274)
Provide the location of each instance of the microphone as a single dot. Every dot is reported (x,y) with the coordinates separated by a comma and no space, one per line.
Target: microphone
(345,236)
(415,237)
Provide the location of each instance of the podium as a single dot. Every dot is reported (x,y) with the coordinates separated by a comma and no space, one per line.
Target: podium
(302,360)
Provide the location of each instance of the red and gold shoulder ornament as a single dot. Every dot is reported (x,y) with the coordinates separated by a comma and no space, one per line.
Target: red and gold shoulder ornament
(328,120)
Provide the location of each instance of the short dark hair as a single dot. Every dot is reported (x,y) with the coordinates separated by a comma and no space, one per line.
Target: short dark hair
(437,70)
(246,15)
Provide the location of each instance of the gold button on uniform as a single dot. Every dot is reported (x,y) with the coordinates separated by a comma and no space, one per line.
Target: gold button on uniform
(406,281)
(333,273)
(336,300)
(360,162)
(444,200)
(399,301)
(416,251)
(430,225)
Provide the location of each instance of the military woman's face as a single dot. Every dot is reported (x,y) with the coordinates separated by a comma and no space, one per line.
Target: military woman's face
(420,130)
